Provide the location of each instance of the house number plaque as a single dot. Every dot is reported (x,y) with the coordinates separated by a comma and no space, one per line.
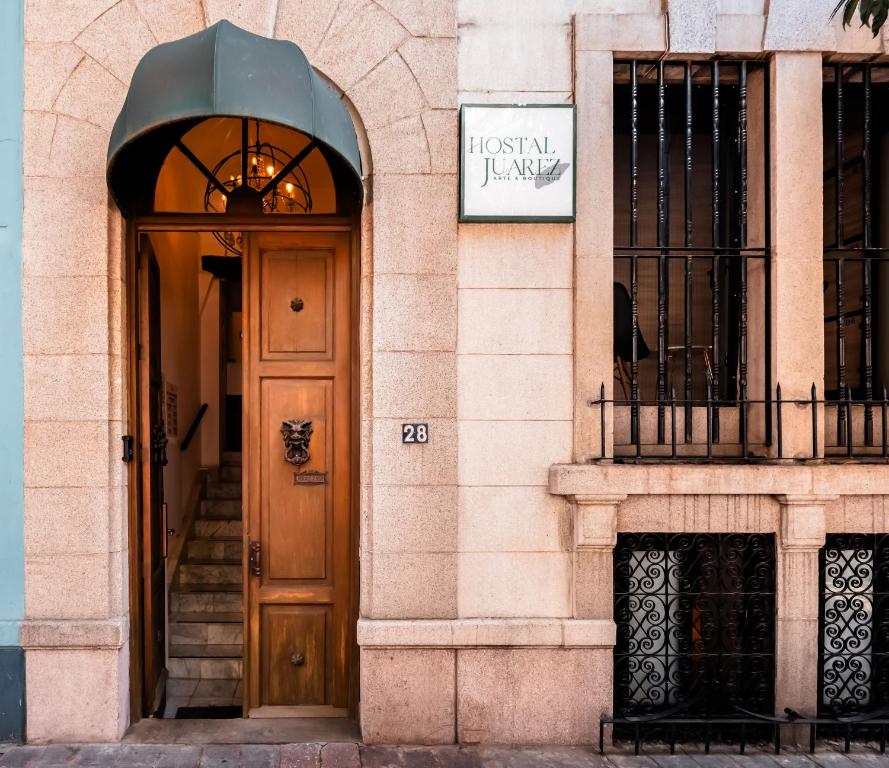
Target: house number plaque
(415,433)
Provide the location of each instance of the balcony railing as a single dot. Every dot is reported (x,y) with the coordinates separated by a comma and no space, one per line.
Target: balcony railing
(751,431)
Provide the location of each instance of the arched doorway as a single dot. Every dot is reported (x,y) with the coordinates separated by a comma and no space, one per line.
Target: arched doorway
(239,173)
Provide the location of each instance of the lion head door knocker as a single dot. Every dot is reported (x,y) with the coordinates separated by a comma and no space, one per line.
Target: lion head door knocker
(296,434)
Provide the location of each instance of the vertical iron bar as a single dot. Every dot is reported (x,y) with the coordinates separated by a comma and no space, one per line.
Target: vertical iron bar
(767,298)
(868,352)
(743,737)
(866,156)
(601,738)
(841,345)
(884,407)
(602,420)
(634,241)
(812,736)
(709,420)
(673,422)
(245,143)
(634,156)
(688,259)
(635,426)
(742,152)
(814,421)
(663,242)
(839,180)
(868,283)
(848,422)
(717,242)
(742,241)
(778,418)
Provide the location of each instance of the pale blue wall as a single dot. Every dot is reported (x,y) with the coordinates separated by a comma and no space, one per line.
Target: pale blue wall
(12,570)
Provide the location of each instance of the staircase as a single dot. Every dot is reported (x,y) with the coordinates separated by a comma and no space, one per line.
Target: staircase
(206,640)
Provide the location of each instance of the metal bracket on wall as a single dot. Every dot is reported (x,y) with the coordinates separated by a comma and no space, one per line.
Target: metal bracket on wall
(128,448)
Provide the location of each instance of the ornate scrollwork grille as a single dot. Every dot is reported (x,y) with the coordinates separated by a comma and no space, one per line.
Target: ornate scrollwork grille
(854,626)
(695,624)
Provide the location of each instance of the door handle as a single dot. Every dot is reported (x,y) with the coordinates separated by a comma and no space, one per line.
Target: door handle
(256,558)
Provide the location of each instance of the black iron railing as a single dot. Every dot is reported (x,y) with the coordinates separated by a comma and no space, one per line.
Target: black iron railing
(856,267)
(744,728)
(691,259)
(744,444)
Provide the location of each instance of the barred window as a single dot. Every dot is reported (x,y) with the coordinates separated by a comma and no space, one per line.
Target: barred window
(695,618)
(854,624)
(856,269)
(691,255)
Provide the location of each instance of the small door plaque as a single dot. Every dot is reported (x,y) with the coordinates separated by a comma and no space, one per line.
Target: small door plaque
(309,478)
(415,433)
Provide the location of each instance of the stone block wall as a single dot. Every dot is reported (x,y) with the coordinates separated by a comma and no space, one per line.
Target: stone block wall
(485,590)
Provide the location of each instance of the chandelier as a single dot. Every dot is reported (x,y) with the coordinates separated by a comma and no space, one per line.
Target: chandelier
(259,177)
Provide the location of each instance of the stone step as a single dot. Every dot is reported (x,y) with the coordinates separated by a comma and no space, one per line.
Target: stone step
(218,529)
(214,549)
(197,617)
(205,651)
(186,602)
(231,458)
(220,509)
(230,474)
(209,633)
(205,668)
(213,587)
(190,573)
(223,490)
(194,692)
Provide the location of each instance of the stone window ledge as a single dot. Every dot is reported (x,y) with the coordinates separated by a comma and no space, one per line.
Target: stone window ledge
(719,479)
(473,633)
(77,634)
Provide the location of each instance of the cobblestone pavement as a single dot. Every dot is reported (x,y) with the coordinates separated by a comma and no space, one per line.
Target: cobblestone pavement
(357,756)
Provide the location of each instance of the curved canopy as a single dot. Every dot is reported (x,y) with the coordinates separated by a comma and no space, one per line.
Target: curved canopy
(223,71)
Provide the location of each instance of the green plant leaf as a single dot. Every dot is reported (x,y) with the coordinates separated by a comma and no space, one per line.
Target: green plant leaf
(879,18)
(873,13)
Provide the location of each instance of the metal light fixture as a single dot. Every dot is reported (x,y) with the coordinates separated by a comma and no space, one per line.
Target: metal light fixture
(259,177)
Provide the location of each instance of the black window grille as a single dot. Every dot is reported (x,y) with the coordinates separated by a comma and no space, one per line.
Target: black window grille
(854,626)
(691,257)
(695,620)
(856,267)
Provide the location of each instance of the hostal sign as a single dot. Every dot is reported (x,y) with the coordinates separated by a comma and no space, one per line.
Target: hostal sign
(517,162)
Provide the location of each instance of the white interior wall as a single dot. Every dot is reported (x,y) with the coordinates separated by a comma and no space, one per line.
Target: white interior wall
(209,436)
(177,256)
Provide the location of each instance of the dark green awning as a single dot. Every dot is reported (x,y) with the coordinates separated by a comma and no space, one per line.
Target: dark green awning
(223,71)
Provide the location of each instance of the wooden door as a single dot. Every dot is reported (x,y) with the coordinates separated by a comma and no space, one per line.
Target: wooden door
(152,459)
(297,379)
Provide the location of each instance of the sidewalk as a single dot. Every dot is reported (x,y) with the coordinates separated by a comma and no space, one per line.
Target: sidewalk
(342,755)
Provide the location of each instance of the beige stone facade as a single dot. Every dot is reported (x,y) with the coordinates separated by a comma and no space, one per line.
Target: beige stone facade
(485,558)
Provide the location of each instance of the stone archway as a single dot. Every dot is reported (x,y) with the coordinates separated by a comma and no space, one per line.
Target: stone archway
(394,61)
